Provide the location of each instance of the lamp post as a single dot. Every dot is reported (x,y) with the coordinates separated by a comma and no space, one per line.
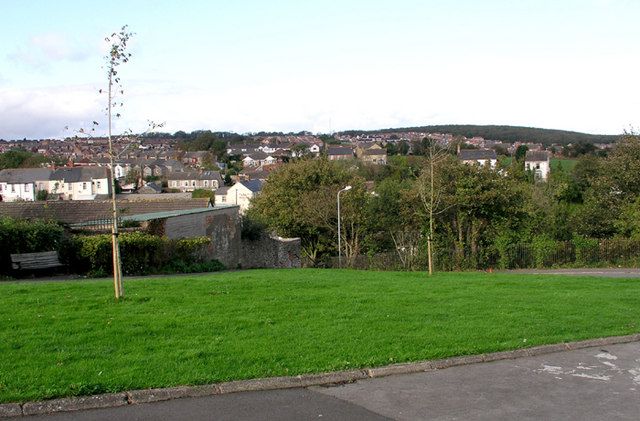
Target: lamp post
(347,188)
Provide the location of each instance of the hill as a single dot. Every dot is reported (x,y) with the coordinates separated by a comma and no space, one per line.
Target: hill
(504,133)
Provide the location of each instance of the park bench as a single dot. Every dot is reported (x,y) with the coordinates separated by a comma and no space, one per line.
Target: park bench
(35,261)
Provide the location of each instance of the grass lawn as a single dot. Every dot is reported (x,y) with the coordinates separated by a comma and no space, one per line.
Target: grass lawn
(71,338)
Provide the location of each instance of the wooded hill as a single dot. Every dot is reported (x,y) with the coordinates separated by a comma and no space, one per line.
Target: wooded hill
(503,133)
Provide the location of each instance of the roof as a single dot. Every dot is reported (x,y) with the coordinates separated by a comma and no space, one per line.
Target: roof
(476,154)
(536,156)
(339,150)
(191,175)
(222,190)
(24,175)
(77,174)
(253,185)
(374,152)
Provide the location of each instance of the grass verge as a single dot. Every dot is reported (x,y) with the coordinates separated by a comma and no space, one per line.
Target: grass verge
(71,338)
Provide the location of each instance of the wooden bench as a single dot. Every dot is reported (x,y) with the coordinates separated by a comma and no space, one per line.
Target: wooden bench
(35,261)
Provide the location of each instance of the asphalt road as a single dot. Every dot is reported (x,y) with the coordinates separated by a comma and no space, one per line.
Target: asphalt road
(587,384)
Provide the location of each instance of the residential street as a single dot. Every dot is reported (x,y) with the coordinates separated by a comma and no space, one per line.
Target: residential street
(601,383)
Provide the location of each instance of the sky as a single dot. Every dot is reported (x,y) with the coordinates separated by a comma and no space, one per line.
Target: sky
(321,65)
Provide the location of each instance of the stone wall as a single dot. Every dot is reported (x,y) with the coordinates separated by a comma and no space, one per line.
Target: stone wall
(270,252)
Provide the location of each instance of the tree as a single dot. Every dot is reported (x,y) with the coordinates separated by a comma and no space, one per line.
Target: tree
(521,153)
(117,55)
(431,190)
(299,201)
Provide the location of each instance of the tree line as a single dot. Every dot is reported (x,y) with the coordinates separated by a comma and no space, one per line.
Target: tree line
(474,215)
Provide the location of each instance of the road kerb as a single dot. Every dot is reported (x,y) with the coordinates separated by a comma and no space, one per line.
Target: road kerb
(134,397)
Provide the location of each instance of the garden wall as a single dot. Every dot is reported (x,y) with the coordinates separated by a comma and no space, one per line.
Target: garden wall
(270,252)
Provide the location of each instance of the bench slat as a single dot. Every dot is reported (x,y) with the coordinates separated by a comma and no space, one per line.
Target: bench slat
(41,260)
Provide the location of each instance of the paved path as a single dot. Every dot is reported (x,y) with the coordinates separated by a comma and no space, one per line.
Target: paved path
(600,383)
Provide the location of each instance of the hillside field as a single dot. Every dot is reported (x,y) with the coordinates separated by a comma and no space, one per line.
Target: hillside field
(71,338)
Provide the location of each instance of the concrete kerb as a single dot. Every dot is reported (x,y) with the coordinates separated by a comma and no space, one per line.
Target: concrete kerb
(324,379)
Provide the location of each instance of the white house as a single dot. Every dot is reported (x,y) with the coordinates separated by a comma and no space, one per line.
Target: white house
(539,163)
(478,156)
(241,194)
(22,184)
(80,183)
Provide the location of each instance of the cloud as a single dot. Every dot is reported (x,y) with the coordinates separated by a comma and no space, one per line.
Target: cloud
(42,50)
(44,113)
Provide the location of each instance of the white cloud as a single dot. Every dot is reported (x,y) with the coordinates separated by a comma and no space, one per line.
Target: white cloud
(42,50)
(43,113)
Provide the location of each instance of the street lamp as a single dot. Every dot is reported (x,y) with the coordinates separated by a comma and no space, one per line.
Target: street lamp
(339,248)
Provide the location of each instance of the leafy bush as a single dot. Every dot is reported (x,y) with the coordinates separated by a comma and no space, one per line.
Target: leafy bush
(201,193)
(141,254)
(544,247)
(252,229)
(587,250)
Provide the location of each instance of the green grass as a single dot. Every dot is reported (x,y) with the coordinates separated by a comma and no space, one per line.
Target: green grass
(60,339)
(567,164)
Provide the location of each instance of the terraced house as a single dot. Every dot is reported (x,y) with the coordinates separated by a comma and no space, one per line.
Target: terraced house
(22,184)
(189,181)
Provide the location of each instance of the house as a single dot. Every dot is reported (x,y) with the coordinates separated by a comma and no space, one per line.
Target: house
(22,184)
(190,180)
(371,153)
(478,156)
(242,192)
(80,183)
(338,153)
(220,197)
(538,163)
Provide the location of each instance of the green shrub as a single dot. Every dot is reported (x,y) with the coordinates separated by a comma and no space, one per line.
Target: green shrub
(141,254)
(201,193)
(544,247)
(587,250)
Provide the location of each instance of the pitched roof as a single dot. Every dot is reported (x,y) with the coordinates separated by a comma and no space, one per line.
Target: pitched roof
(24,175)
(536,156)
(192,175)
(475,154)
(77,174)
(253,185)
(339,150)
